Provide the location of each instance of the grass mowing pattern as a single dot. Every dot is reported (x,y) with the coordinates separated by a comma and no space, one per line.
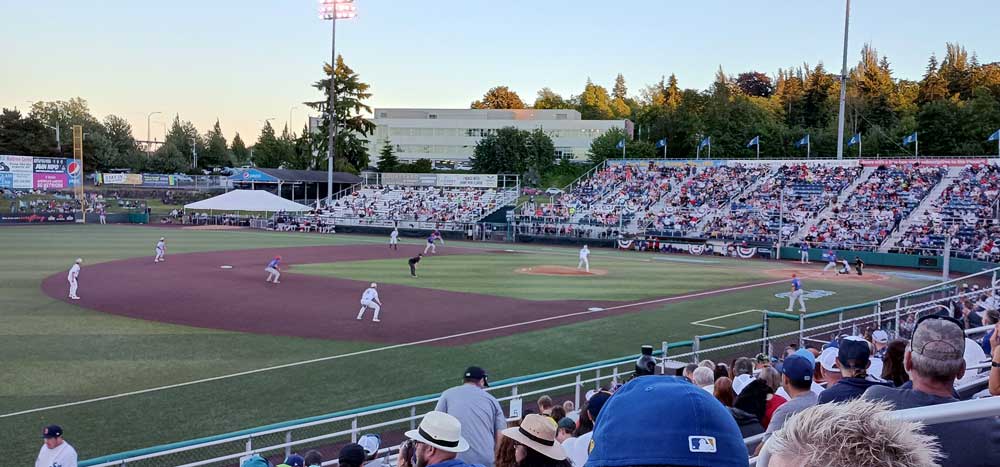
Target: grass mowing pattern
(54,352)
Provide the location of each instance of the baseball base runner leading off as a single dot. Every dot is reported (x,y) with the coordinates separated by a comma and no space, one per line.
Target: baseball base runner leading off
(161,248)
(369,299)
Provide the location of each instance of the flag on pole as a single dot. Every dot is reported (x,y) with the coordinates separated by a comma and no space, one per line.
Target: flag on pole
(910,138)
(995,136)
(661,143)
(854,140)
(621,144)
(802,142)
(705,142)
(754,142)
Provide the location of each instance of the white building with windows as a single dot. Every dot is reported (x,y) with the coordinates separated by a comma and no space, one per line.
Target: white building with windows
(448,136)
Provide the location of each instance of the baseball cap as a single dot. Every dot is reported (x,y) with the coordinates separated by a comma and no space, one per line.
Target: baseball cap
(52,431)
(828,359)
(808,355)
(762,358)
(352,454)
(741,381)
(596,403)
(798,368)
(370,443)
(938,338)
(880,336)
(567,423)
(665,420)
(295,460)
(854,352)
(474,372)
(256,461)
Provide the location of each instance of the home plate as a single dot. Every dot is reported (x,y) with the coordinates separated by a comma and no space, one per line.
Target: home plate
(509,251)
(594,308)
(226,266)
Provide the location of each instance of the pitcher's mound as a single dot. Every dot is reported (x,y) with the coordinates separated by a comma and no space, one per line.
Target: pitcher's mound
(547,270)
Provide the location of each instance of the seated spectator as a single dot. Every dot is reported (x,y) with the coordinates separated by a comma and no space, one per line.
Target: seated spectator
(704,378)
(995,360)
(295,460)
(545,405)
(569,407)
(772,378)
(578,448)
(853,359)
(535,443)
(796,379)
(742,373)
(666,421)
(314,458)
(566,428)
(828,366)
(557,413)
(436,442)
(256,461)
(723,391)
(688,372)
(371,444)
(815,387)
(506,454)
(850,434)
(892,363)
(750,406)
(934,359)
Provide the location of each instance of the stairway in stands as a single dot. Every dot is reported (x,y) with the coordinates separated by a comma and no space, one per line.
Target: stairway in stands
(922,209)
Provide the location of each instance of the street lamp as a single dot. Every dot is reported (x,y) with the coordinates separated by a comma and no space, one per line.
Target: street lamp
(333,10)
(58,139)
(147,131)
(289,123)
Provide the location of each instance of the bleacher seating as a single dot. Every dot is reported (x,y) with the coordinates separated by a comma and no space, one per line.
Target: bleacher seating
(424,204)
(707,190)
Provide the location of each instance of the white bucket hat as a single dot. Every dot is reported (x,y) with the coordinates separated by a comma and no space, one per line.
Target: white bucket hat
(440,430)
(538,432)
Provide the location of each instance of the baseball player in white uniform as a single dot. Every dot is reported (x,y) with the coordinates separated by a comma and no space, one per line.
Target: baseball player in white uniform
(796,295)
(161,248)
(394,239)
(74,272)
(369,299)
(584,259)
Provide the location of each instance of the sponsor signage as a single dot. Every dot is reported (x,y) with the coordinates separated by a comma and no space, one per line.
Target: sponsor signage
(926,162)
(49,173)
(16,172)
(444,180)
(157,180)
(121,179)
(41,217)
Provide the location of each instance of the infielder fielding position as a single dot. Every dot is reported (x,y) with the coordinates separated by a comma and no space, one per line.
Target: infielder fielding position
(584,259)
(74,272)
(273,270)
(394,239)
(796,294)
(369,299)
(161,248)
(430,242)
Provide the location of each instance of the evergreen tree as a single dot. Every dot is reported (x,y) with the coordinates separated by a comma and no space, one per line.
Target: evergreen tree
(595,103)
(267,152)
(352,126)
(500,97)
(241,155)
(387,161)
(216,152)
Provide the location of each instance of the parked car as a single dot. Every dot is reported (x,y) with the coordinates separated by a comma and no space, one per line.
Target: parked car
(553,191)
(530,191)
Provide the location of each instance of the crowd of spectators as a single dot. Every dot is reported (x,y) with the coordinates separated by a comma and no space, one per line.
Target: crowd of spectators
(875,208)
(761,217)
(966,211)
(707,190)
(423,204)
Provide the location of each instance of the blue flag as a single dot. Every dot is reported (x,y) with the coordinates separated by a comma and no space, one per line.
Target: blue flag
(661,143)
(705,142)
(910,139)
(802,142)
(995,136)
(621,144)
(854,140)
(754,142)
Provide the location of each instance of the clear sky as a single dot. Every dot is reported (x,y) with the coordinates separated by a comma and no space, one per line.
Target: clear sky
(244,61)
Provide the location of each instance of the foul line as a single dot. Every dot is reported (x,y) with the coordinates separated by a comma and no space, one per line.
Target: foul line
(390,347)
(701,322)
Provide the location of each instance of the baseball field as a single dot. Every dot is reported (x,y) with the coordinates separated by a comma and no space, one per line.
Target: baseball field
(157,353)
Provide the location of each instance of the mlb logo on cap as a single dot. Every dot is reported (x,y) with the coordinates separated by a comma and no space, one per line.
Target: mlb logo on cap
(701,443)
(52,431)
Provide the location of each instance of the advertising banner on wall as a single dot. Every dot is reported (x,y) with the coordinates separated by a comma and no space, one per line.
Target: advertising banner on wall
(157,180)
(937,162)
(16,172)
(50,173)
(443,180)
(121,179)
(74,172)
(41,217)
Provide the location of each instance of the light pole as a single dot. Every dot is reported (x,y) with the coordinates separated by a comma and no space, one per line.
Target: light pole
(843,87)
(289,123)
(58,139)
(333,10)
(147,131)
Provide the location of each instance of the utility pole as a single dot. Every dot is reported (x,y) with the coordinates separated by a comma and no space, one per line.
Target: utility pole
(843,87)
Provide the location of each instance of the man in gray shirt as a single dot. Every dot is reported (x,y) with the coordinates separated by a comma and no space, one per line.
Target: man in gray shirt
(796,377)
(934,359)
(482,418)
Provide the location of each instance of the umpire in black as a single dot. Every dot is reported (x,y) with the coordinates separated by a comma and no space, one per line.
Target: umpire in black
(413,264)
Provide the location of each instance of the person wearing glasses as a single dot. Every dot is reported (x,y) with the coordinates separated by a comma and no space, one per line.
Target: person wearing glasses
(934,359)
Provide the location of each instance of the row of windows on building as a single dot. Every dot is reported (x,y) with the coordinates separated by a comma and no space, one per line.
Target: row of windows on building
(589,133)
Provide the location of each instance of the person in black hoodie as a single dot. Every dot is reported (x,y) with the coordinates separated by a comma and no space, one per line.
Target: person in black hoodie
(749,408)
(853,358)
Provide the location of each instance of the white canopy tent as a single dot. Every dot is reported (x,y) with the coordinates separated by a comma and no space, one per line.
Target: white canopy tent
(247,200)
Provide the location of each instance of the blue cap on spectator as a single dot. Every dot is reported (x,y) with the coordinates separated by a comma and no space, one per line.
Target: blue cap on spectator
(256,461)
(596,402)
(665,420)
(52,431)
(807,354)
(295,460)
(854,353)
(798,368)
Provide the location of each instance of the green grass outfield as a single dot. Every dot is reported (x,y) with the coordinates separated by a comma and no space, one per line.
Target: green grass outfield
(52,352)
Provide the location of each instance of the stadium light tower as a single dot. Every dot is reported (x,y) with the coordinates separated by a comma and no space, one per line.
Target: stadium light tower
(333,10)
(843,87)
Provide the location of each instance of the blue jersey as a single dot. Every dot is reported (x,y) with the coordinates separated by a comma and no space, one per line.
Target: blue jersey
(796,285)
(803,247)
(431,239)
(274,263)
(831,256)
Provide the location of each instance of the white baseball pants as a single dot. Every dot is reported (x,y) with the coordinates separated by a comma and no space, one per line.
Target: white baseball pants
(366,304)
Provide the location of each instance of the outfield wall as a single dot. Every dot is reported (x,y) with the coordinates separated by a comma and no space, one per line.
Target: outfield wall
(895,260)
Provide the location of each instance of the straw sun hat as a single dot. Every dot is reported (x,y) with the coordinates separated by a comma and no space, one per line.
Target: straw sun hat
(538,432)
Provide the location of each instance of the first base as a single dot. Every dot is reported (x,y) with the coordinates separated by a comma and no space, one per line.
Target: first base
(226,266)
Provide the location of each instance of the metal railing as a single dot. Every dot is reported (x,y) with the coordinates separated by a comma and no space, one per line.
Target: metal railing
(394,417)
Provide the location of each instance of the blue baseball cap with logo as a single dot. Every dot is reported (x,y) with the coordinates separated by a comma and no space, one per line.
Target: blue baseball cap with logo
(665,420)
(798,368)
